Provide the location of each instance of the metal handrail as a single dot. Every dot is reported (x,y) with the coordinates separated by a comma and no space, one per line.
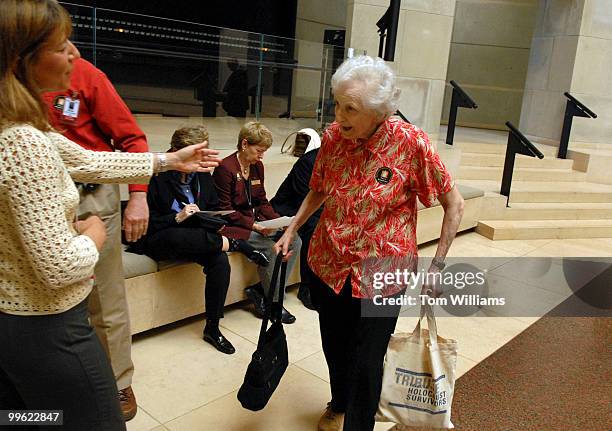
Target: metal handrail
(517,144)
(573,108)
(402,116)
(460,99)
(387,30)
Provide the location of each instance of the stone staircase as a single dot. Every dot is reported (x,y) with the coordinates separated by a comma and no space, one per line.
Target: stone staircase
(548,199)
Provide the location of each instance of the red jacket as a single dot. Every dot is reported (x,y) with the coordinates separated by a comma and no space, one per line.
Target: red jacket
(231,190)
(103,121)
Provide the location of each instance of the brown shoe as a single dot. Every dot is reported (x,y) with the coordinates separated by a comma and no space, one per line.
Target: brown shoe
(127,400)
(331,421)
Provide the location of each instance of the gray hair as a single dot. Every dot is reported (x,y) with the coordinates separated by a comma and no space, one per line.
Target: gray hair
(380,93)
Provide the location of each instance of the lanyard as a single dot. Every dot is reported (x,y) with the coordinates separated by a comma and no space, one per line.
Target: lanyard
(196,197)
(249,194)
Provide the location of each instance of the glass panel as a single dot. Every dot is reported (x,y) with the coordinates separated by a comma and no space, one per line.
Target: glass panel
(172,72)
(83,29)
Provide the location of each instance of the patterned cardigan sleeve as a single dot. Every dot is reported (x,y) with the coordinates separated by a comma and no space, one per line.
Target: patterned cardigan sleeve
(32,179)
(103,166)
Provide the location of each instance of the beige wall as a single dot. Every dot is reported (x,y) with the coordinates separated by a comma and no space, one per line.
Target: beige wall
(313,18)
(489,56)
(572,51)
(421,57)
(592,77)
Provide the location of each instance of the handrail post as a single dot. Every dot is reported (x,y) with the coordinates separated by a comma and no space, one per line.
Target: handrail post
(517,144)
(402,116)
(506,182)
(459,99)
(452,118)
(573,108)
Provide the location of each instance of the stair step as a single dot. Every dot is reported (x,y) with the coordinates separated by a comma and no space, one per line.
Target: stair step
(559,196)
(546,191)
(499,148)
(544,229)
(558,211)
(521,161)
(520,174)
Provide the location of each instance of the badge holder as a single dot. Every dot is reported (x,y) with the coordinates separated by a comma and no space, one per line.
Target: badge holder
(70,112)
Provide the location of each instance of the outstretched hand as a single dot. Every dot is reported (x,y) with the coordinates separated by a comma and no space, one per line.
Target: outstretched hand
(194,158)
(283,244)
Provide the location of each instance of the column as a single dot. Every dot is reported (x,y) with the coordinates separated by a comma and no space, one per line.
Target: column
(421,56)
(571,51)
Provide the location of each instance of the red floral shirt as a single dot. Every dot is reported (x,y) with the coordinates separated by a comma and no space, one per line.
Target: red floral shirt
(371,210)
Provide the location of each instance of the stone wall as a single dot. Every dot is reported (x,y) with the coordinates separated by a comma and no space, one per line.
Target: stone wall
(489,56)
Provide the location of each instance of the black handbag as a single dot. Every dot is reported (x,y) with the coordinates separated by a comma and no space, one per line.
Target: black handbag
(271,358)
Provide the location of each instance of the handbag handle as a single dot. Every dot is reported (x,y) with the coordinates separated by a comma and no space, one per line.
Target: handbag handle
(276,284)
(291,147)
(427,310)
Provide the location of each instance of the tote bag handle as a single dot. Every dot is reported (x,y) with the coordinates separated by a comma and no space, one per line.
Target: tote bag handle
(426,310)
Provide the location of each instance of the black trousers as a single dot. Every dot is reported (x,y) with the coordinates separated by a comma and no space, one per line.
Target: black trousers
(307,277)
(354,348)
(202,247)
(56,362)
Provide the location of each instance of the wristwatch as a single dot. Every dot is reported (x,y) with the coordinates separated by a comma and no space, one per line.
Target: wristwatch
(438,262)
(162,161)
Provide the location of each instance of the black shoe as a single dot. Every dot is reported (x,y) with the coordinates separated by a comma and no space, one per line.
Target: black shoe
(287,318)
(258,258)
(304,296)
(257,298)
(249,251)
(216,338)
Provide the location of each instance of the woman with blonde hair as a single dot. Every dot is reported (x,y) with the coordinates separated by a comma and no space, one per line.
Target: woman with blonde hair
(51,358)
(239,180)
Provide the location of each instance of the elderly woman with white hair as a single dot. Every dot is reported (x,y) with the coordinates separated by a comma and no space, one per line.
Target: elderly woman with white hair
(370,170)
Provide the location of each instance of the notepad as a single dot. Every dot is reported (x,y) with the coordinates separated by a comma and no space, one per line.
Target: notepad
(277,223)
(217,213)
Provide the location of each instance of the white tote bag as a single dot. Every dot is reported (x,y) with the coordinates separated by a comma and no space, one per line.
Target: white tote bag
(419,377)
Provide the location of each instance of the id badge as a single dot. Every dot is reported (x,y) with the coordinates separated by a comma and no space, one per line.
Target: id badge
(71,108)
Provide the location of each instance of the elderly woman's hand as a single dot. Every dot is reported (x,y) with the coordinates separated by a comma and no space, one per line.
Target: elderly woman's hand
(193,158)
(283,244)
(186,212)
(429,288)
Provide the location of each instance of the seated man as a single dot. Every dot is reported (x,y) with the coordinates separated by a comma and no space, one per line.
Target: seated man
(287,201)
(175,232)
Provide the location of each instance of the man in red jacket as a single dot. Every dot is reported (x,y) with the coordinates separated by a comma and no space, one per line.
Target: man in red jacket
(93,115)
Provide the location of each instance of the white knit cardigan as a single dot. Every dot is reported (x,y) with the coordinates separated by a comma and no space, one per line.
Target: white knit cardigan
(46,267)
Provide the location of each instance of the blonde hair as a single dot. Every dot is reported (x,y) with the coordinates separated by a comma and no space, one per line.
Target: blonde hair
(256,134)
(186,136)
(25,27)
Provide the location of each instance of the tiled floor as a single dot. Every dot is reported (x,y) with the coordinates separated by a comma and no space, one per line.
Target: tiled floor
(182,383)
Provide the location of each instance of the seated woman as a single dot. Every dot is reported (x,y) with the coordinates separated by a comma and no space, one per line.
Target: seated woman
(174,232)
(240,185)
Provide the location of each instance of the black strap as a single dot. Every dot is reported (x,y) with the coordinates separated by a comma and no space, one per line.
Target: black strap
(276,284)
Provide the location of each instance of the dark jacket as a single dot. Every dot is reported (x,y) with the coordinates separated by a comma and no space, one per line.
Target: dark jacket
(294,189)
(167,239)
(164,189)
(232,191)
